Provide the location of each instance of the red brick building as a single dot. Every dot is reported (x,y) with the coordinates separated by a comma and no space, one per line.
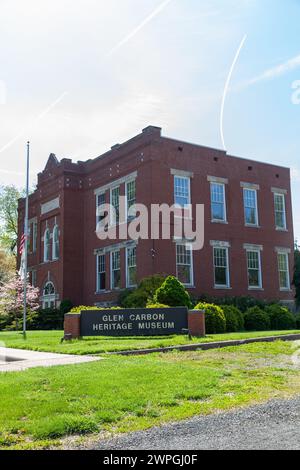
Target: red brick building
(249,241)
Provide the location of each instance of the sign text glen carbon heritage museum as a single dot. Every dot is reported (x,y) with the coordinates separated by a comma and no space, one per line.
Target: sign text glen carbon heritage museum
(134,322)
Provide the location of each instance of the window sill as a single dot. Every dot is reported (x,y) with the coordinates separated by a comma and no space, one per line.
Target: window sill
(222,287)
(224,222)
(278,229)
(256,288)
(252,226)
(285,290)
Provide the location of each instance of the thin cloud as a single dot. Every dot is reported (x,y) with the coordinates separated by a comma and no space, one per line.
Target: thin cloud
(136,30)
(274,72)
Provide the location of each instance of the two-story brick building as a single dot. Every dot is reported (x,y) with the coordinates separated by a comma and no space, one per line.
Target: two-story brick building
(248,248)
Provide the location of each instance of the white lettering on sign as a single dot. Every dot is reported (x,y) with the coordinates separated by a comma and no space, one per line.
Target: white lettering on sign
(154,326)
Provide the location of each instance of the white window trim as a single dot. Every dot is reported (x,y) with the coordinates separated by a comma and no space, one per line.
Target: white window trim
(282,195)
(46,260)
(247,224)
(217,221)
(54,258)
(258,251)
(116,183)
(228,283)
(188,245)
(111,270)
(286,254)
(112,222)
(133,180)
(97,195)
(98,290)
(188,178)
(129,286)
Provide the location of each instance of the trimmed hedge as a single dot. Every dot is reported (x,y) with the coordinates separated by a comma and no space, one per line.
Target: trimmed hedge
(281,318)
(157,306)
(234,318)
(256,320)
(215,321)
(172,293)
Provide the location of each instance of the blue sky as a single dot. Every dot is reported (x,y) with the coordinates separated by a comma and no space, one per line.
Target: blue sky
(78,77)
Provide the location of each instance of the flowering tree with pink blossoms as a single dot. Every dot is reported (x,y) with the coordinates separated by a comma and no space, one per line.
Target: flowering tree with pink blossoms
(12,298)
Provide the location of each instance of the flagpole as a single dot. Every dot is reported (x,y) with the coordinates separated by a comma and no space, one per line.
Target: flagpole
(26,242)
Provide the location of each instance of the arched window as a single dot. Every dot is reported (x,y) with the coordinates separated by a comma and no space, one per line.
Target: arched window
(55,243)
(47,245)
(49,296)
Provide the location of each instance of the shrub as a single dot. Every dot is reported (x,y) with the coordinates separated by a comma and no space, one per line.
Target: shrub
(172,293)
(157,306)
(297,318)
(145,292)
(65,306)
(215,321)
(243,303)
(280,317)
(256,320)
(81,308)
(234,318)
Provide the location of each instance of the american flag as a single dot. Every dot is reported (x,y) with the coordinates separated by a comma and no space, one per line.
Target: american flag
(22,244)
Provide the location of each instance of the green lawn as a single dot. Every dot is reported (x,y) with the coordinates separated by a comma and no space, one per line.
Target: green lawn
(118,394)
(49,341)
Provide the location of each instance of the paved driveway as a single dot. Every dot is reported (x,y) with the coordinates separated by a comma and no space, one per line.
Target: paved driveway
(274,425)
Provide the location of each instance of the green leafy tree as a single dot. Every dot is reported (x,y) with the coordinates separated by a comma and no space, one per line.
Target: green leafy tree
(297,273)
(7,266)
(9,196)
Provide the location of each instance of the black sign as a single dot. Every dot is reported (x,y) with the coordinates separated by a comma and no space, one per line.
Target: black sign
(134,322)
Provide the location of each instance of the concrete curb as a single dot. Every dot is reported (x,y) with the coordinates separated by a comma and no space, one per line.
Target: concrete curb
(206,346)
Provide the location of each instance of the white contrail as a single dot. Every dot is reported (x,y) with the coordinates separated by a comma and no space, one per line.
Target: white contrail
(274,72)
(129,36)
(226,89)
(40,116)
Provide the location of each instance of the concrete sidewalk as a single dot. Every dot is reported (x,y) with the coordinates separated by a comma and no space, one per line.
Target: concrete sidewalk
(14,360)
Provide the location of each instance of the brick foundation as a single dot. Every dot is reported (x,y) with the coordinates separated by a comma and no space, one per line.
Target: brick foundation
(196,321)
(72,326)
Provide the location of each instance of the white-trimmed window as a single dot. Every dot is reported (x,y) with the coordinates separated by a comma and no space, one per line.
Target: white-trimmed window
(34,237)
(131,275)
(280,212)
(284,272)
(49,297)
(101,200)
(250,207)
(101,272)
(33,278)
(182,190)
(131,197)
(254,269)
(184,264)
(47,244)
(221,267)
(115,270)
(55,243)
(115,202)
(218,202)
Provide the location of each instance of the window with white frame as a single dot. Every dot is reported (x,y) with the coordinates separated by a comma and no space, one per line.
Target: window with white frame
(49,297)
(115,270)
(131,267)
(218,203)
(101,273)
(250,207)
(115,202)
(33,278)
(254,269)
(101,200)
(55,243)
(34,237)
(184,264)
(47,244)
(182,191)
(283,268)
(131,197)
(221,267)
(280,213)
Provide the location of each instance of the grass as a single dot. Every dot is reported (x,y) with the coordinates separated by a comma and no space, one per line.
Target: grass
(49,341)
(40,407)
